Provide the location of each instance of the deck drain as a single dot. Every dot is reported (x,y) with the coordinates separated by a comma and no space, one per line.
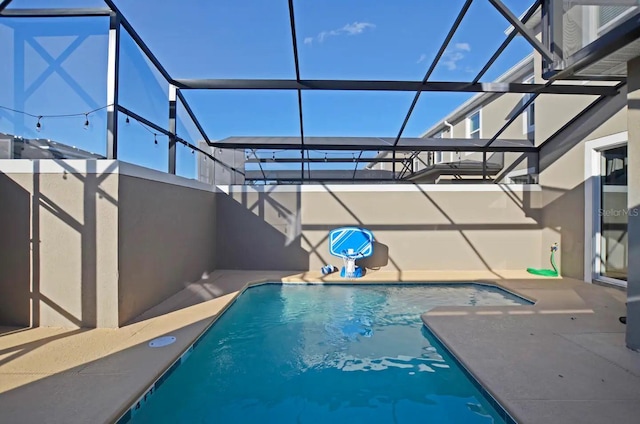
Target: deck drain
(162,341)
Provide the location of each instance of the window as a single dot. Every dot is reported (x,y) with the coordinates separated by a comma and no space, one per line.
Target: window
(610,16)
(473,125)
(529,115)
(416,164)
(524,179)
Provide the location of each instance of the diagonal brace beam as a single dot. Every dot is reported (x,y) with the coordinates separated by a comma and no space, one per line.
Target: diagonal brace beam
(193,117)
(524,31)
(443,48)
(507,41)
(4,4)
(514,116)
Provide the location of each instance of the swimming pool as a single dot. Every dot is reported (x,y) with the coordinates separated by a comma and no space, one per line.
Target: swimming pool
(328,354)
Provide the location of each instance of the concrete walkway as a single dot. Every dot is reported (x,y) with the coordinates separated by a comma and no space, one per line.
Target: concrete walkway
(92,375)
(560,361)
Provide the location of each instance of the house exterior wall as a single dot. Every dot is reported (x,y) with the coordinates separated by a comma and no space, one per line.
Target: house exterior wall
(633,203)
(562,166)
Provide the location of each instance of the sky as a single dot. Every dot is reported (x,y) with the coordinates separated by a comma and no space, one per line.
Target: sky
(63,67)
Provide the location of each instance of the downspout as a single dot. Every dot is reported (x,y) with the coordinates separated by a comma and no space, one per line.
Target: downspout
(450,128)
(450,134)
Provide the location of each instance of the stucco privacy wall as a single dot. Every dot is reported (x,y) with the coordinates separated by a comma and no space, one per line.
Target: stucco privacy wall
(417,227)
(114,239)
(166,239)
(58,253)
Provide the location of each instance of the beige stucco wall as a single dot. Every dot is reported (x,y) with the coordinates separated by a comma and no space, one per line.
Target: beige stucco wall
(562,166)
(110,241)
(476,227)
(166,239)
(494,114)
(63,237)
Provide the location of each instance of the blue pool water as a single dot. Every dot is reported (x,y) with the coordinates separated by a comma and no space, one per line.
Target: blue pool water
(327,354)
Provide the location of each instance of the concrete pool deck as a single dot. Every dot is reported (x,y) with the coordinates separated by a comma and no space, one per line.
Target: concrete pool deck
(561,360)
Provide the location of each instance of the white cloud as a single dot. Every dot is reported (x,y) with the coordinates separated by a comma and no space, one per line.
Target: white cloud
(349,29)
(450,58)
(357,27)
(422,58)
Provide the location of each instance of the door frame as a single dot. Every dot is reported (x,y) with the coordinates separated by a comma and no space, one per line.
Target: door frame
(592,204)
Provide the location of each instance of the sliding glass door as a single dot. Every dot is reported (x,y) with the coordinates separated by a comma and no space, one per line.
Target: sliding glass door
(613,214)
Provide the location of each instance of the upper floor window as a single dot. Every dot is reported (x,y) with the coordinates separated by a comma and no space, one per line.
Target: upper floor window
(609,16)
(474,129)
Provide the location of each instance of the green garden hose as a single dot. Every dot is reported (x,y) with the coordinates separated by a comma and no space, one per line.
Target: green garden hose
(547,272)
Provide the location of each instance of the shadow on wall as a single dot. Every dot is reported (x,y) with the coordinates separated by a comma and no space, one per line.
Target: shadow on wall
(14,254)
(379,259)
(166,240)
(246,240)
(563,218)
(268,228)
(51,281)
(577,130)
(563,209)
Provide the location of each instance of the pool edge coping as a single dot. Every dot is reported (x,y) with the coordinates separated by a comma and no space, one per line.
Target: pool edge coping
(497,401)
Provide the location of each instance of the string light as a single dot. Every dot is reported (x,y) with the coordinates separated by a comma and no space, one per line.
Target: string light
(87,124)
(40,118)
(63,115)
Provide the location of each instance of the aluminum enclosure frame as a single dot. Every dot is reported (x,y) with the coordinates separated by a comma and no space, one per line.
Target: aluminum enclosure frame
(119,22)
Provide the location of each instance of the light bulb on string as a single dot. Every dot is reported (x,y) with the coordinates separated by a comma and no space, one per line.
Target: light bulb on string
(126,121)
(155,138)
(86,121)
(38,124)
